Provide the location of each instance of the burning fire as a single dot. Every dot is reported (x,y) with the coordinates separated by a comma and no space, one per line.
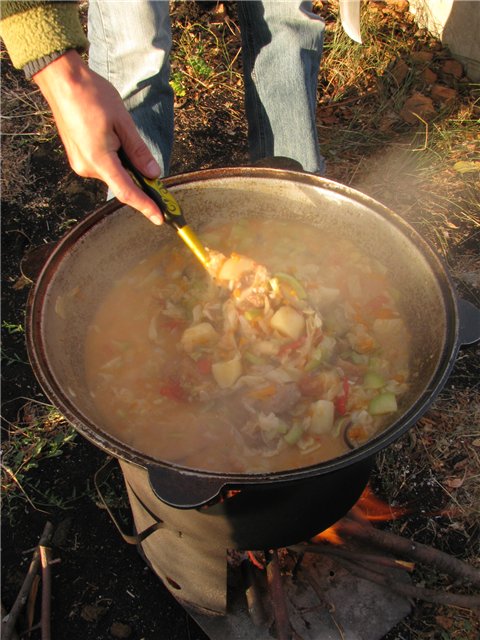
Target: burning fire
(368,508)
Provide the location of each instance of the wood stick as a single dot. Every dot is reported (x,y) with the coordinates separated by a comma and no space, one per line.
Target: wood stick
(4,613)
(32,599)
(354,556)
(253,595)
(9,621)
(45,559)
(277,596)
(412,550)
(412,591)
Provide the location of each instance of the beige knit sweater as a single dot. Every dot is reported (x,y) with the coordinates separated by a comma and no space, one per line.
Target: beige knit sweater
(31,30)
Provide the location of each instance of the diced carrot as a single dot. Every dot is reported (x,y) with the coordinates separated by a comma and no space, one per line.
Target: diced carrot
(357,432)
(365,344)
(263,392)
(385,313)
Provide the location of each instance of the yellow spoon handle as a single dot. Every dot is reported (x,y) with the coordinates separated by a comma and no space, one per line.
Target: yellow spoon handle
(168,205)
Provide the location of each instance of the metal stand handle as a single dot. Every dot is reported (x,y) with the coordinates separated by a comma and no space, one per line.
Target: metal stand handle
(100,477)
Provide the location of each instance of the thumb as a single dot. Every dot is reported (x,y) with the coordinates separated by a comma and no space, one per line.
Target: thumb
(136,149)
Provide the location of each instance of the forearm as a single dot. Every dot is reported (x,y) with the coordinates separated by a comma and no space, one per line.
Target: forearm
(93,124)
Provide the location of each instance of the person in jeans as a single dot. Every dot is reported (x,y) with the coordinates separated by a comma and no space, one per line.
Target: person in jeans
(123,99)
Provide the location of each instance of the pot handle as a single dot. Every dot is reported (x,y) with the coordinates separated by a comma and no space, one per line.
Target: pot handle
(469,314)
(182,489)
(101,476)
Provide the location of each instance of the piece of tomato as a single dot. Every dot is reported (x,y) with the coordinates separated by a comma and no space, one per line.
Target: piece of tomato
(173,390)
(204,365)
(340,402)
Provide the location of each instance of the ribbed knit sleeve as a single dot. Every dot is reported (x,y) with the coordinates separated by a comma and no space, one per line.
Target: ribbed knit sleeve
(31,30)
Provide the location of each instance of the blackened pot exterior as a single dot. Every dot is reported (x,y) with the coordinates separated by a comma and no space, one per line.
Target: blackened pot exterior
(108,242)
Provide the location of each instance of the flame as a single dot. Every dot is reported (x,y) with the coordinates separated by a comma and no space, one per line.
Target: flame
(368,508)
(329,535)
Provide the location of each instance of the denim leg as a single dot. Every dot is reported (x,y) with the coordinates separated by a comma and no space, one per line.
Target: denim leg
(130,43)
(282,46)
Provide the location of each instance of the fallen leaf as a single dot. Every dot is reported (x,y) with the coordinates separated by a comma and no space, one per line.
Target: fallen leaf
(467,166)
(476,442)
(92,612)
(399,71)
(120,630)
(453,68)
(454,483)
(429,76)
(450,225)
(417,106)
(422,56)
(21,283)
(401,6)
(440,93)
(444,622)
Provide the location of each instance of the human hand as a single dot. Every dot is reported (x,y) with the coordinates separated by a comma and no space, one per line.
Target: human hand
(93,124)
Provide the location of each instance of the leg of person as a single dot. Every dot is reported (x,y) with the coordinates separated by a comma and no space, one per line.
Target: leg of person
(282,46)
(130,42)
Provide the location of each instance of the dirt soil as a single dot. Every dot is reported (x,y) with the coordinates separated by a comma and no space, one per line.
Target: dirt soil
(101,586)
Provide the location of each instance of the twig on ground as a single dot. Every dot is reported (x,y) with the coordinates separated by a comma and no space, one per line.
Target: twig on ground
(412,591)
(32,598)
(4,613)
(354,556)
(9,621)
(277,597)
(45,560)
(412,550)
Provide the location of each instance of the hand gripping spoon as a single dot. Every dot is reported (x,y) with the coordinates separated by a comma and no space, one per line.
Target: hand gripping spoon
(171,211)
(249,280)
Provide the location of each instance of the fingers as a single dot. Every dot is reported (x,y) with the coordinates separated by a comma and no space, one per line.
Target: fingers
(111,171)
(135,147)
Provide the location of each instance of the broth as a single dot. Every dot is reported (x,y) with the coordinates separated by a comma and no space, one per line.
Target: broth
(183,372)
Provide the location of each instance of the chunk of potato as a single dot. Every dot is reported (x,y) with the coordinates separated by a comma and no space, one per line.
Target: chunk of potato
(288,322)
(323,412)
(235,266)
(199,335)
(227,373)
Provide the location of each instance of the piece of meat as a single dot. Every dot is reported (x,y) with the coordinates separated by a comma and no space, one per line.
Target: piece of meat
(284,398)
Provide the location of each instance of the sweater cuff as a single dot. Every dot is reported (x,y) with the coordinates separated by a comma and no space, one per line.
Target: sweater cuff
(33,67)
(42,29)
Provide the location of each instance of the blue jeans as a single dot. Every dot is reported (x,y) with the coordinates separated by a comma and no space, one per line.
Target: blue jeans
(282,42)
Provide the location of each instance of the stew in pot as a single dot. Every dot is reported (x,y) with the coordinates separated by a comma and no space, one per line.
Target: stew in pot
(303,354)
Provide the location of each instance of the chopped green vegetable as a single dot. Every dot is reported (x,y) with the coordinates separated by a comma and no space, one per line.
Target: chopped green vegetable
(282,427)
(253,314)
(293,283)
(383,403)
(373,380)
(294,435)
(313,364)
(358,358)
(252,358)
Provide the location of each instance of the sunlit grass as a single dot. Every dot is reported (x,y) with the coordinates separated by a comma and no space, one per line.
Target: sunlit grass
(40,433)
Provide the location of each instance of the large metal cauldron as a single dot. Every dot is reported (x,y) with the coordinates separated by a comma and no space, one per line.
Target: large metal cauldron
(113,239)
